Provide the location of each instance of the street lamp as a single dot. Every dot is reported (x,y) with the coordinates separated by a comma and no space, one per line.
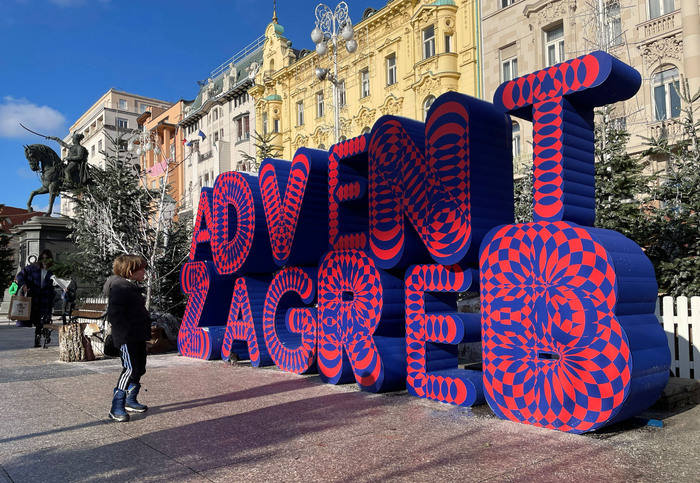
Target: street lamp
(142,141)
(333,27)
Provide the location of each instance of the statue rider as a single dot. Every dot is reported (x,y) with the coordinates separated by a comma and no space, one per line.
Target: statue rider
(76,159)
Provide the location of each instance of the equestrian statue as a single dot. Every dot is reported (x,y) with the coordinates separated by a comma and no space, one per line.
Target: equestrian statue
(57,175)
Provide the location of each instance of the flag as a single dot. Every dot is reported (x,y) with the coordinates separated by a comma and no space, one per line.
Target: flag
(201,134)
(184,141)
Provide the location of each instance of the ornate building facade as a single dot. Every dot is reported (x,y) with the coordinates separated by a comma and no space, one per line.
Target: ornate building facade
(660,38)
(217,124)
(409,52)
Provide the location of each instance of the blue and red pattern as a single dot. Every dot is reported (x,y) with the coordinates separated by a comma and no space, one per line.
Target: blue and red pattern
(201,331)
(200,247)
(238,222)
(424,172)
(293,215)
(290,332)
(560,101)
(555,352)
(433,328)
(245,321)
(347,182)
(352,300)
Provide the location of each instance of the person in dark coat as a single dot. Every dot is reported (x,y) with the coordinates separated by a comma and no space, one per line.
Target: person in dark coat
(35,281)
(131,328)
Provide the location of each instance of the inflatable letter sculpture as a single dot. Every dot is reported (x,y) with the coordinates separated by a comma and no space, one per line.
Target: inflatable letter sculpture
(570,339)
(349,262)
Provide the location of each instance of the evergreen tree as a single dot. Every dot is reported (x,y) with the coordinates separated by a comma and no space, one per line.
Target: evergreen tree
(7,266)
(673,240)
(263,149)
(621,185)
(524,199)
(115,214)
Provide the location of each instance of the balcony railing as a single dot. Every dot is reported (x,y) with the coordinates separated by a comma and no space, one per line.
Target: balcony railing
(666,129)
(659,25)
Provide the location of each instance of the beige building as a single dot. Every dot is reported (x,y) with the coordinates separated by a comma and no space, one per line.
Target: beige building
(114,114)
(657,37)
(409,52)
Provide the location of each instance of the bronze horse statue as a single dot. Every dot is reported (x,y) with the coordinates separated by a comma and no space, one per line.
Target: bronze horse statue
(43,158)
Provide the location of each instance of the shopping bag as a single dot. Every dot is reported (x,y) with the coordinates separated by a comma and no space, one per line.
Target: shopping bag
(20,308)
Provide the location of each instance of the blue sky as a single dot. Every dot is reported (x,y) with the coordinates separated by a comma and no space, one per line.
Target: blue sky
(60,56)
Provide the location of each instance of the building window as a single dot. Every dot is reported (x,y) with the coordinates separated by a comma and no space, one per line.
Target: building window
(429,42)
(505,3)
(509,69)
(144,108)
(123,105)
(341,94)
(275,125)
(300,113)
(99,146)
(92,150)
(554,45)
(667,103)
(391,70)
(658,8)
(426,106)
(613,24)
(516,140)
(122,123)
(364,83)
(264,123)
(246,127)
(216,136)
(448,43)
(320,111)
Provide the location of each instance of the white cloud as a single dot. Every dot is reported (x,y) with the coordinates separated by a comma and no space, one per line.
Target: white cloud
(43,119)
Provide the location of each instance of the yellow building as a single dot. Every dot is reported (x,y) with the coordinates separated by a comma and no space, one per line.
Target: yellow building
(409,52)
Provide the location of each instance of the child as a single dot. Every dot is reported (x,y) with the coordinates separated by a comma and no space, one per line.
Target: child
(131,328)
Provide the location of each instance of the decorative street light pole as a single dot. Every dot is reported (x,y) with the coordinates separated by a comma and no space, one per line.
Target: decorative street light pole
(141,141)
(333,27)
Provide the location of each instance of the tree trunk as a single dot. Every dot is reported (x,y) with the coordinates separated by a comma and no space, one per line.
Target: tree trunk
(73,346)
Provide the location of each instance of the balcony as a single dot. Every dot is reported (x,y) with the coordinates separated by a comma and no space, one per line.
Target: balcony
(666,129)
(660,26)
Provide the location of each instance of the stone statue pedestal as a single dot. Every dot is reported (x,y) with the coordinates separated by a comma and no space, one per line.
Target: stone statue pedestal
(40,233)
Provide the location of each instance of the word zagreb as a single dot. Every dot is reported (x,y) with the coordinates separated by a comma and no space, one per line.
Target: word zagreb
(349,262)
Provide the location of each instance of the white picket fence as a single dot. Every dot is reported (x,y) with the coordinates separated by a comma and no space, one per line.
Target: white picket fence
(679,319)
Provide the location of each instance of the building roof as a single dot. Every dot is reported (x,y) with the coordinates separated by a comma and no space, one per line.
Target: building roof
(253,53)
(11,217)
